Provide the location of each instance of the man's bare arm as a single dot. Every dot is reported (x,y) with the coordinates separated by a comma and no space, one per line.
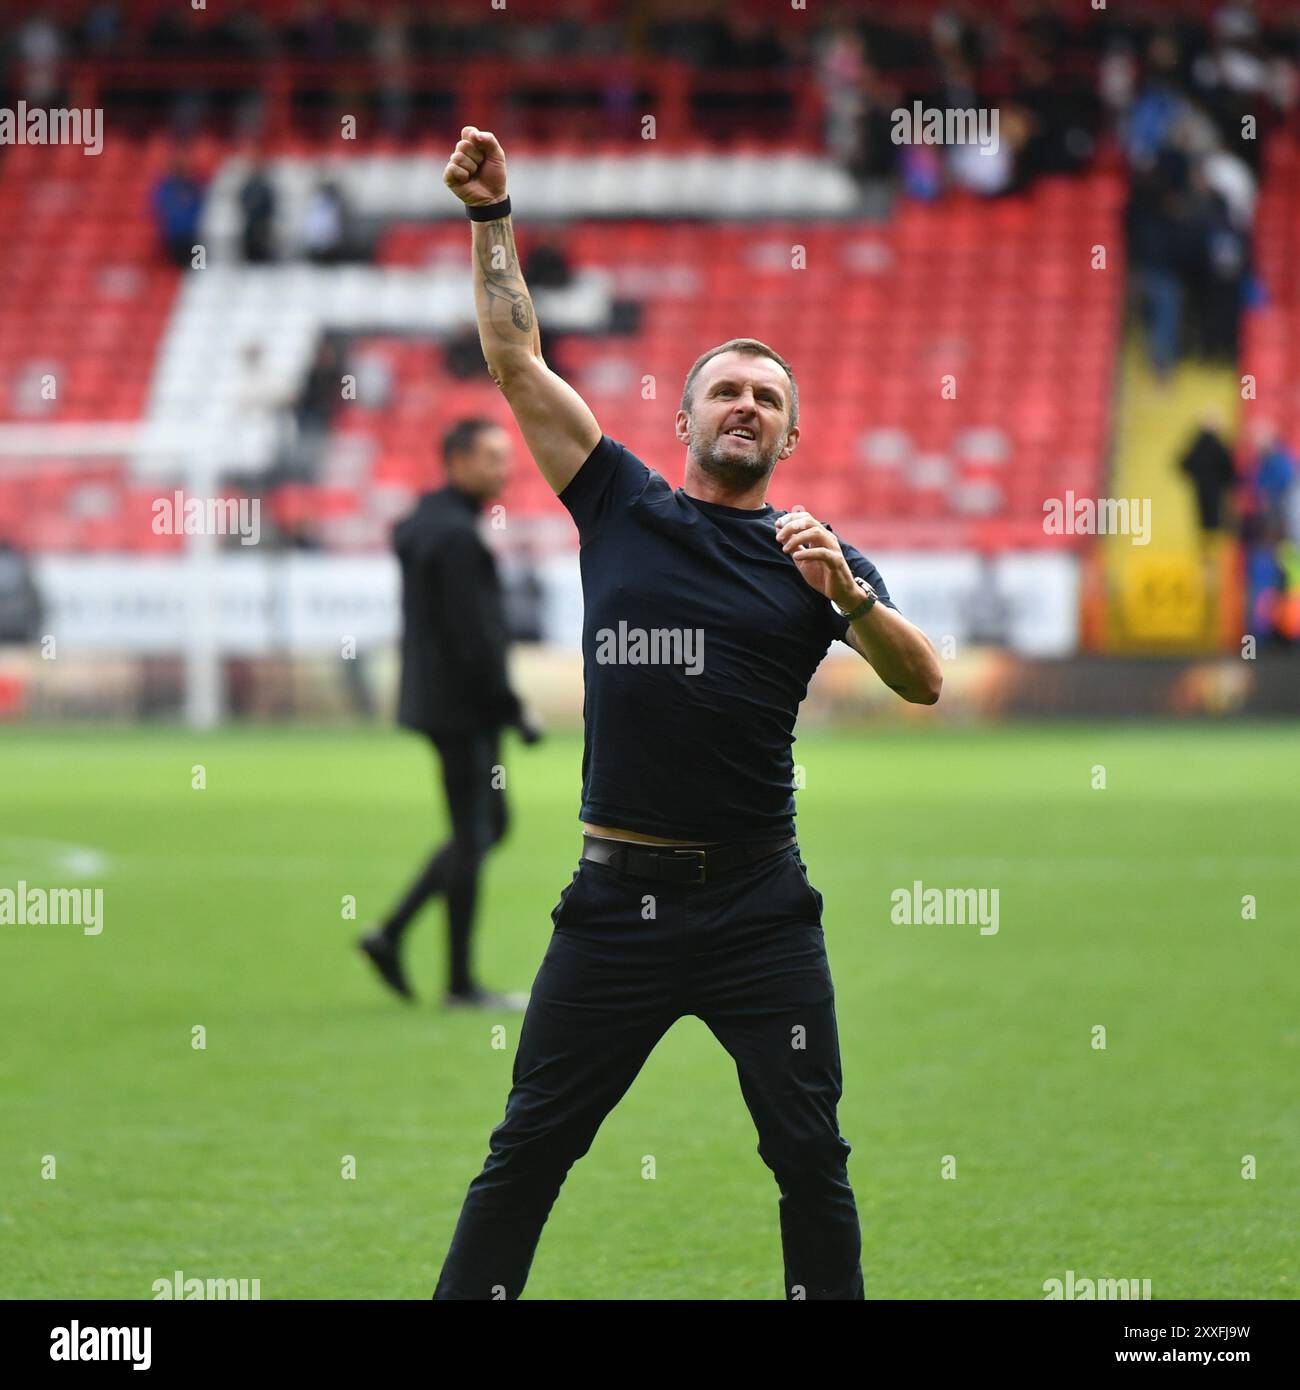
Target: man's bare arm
(899,652)
(557,424)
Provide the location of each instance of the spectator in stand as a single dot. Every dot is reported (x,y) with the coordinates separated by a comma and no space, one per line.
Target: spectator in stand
(841,70)
(257,203)
(239,33)
(391,56)
(324,229)
(1265,578)
(1232,180)
(996,168)
(1166,248)
(746,45)
(354,28)
(313,413)
(566,28)
(1237,78)
(1062,120)
(1044,30)
(39,66)
(177,208)
(457,32)
(1193,192)
(1225,256)
(262,424)
(752,43)
(1274,484)
(101,30)
(546,265)
(464,355)
(1117,80)
(323,391)
(957,87)
(680,31)
(921,170)
(175,33)
(1270,536)
(1207,464)
(309,35)
(874,158)
(957,35)
(1159,104)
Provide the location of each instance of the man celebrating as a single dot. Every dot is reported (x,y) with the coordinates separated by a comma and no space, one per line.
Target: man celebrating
(455,690)
(706,613)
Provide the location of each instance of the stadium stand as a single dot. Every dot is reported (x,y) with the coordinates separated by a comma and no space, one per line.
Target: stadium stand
(1271,330)
(975,344)
(1019,310)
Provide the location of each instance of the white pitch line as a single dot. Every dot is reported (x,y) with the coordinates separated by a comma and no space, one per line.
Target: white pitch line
(25,856)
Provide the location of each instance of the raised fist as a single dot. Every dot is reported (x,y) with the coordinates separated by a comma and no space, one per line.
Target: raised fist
(476,171)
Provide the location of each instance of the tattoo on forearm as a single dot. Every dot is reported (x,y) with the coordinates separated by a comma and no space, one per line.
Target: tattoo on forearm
(503,281)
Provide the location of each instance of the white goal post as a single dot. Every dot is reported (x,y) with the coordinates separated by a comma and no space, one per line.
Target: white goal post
(145,452)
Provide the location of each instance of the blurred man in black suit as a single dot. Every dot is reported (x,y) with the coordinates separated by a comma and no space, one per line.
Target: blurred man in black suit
(455,690)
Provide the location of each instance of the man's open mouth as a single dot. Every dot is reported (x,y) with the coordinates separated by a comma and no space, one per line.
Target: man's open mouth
(740,432)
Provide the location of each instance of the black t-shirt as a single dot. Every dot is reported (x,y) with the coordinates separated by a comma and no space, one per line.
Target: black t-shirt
(699,639)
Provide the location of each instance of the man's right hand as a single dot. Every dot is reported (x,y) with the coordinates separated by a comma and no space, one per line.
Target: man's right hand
(476,171)
(556,423)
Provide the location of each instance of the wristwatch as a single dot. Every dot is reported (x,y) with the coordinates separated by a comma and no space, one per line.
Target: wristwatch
(865,607)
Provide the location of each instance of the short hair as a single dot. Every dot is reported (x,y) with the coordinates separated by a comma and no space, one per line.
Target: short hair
(463,435)
(753,348)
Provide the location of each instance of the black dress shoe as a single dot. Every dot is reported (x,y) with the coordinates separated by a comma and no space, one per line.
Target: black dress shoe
(383,956)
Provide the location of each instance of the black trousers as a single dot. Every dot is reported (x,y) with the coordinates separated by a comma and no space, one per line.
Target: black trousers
(628,957)
(476,803)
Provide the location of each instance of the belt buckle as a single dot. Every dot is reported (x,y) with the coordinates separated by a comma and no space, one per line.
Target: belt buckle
(698,854)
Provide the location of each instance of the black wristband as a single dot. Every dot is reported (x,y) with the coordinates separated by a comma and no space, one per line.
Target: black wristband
(488,212)
(861,610)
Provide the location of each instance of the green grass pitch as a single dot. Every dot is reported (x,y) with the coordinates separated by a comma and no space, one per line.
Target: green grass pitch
(1119,907)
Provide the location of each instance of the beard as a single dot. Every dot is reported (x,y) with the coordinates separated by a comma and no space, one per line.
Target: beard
(735,471)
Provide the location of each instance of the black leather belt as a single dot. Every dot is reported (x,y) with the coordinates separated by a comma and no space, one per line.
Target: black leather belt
(678,863)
